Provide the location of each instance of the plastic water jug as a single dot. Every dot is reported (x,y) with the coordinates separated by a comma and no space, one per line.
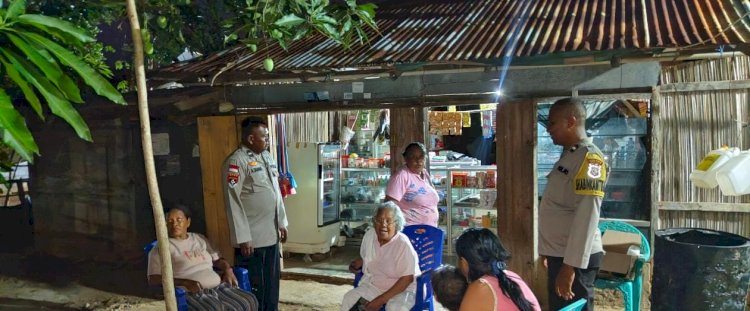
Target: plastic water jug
(734,176)
(704,174)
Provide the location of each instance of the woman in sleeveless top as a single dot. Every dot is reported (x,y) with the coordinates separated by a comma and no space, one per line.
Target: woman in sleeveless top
(481,258)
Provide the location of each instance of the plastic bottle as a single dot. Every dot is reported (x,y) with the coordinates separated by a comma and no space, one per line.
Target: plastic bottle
(607,152)
(622,161)
(613,160)
(705,173)
(486,220)
(632,155)
(733,177)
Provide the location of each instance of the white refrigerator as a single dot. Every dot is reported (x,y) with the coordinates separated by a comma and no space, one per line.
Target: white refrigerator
(313,212)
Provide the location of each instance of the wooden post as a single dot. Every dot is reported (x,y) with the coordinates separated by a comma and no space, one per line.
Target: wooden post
(656,156)
(407,126)
(517,197)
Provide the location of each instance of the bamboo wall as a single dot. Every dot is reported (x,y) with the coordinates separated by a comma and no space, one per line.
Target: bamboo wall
(307,127)
(701,106)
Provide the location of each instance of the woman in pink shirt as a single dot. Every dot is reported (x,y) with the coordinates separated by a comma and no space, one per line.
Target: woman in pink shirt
(481,258)
(410,187)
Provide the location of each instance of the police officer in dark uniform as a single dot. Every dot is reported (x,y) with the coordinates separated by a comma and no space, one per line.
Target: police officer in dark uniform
(255,211)
(569,211)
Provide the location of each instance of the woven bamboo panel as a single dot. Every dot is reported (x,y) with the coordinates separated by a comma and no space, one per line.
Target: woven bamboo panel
(691,125)
(307,127)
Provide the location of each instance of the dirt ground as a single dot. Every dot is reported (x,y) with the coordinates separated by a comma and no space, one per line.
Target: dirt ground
(34,282)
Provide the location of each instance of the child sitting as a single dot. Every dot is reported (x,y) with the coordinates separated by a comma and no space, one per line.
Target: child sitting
(449,286)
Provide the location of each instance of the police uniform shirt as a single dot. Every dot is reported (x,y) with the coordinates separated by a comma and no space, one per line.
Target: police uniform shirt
(254,202)
(570,206)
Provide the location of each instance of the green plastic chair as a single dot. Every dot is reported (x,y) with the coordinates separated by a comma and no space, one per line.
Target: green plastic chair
(576,306)
(631,289)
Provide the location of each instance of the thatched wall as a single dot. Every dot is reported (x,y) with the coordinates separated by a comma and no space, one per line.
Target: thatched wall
(699,107)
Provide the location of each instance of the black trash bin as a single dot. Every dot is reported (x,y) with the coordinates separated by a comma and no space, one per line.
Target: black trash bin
(700,269)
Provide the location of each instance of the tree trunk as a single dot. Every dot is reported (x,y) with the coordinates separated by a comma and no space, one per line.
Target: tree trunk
(148,159)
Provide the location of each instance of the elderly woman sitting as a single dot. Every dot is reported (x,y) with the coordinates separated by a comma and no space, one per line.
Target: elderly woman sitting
(389,264)
(192,261)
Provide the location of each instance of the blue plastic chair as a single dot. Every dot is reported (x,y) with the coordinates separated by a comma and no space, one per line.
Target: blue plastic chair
(631,289)
(428,243)
(576,306)
(243,278)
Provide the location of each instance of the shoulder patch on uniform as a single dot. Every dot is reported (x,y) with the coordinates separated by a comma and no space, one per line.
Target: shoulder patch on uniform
(591,177)
(232,179)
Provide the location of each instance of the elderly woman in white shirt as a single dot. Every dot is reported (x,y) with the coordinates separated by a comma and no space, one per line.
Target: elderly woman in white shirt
(388,262)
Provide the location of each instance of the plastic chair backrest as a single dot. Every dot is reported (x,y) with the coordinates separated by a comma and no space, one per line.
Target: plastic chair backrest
(428,243)
(631,288)
(576,306)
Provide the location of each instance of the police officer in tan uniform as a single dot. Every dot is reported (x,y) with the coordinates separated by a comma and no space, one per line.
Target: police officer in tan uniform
(569,211)
(255,211)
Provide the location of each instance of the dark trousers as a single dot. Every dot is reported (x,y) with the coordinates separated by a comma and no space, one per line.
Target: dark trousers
(264,267)
(583,284)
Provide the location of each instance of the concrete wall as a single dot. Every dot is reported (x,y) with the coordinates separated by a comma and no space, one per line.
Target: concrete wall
(91,200)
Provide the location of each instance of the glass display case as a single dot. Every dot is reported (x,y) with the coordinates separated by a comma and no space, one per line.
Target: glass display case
(328,173)
(467,199)
(621,141)
(362,189)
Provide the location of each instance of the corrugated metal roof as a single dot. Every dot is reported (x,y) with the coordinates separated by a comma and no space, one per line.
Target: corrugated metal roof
(479,30)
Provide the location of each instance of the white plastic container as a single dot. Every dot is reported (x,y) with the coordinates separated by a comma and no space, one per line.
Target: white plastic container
(704,174)
(734,176)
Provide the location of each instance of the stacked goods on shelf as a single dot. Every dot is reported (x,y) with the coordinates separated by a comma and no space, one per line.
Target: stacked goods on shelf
(445,123)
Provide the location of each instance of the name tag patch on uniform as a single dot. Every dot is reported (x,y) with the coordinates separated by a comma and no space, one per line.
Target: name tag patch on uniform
(591,177)
(233,179)
(255,169)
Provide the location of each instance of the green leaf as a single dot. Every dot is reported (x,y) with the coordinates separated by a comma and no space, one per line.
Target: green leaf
(289,20)
(368,8)
(331,31)
(300,33)
(361,34)
(15,132)
(230,38)
(41,21)
(28,92)
(50,68)
(326,19)
(55,100)
(282,43)
(276,34)
(346,26)
(89,75)
(16,8)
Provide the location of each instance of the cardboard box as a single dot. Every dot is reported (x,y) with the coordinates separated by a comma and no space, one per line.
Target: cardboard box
(616,260)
